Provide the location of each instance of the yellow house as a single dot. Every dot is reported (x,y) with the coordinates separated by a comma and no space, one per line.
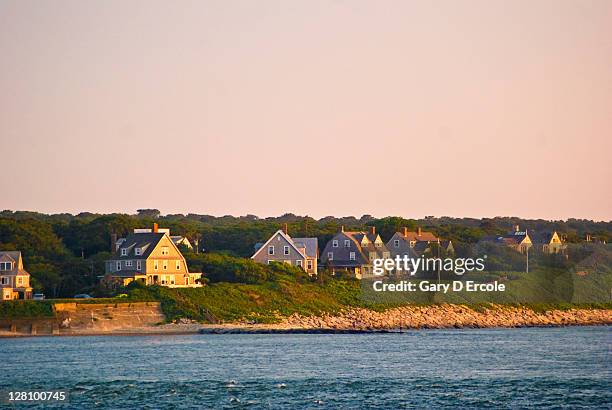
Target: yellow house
(152,257)
(14,279)
(549,242)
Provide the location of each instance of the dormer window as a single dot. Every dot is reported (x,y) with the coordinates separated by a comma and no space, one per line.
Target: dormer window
(138,251)
(335,243)
(396,243)
(347,243)
(124,251)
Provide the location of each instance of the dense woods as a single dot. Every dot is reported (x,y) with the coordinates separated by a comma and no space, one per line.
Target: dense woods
(65,253)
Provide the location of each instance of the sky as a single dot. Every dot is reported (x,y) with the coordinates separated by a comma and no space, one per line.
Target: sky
(408,108)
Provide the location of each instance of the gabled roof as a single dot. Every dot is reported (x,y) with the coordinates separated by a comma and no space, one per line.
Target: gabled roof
(311,245)
(146,241)
(15,257)
(541,237)
(424,236)
(308,242)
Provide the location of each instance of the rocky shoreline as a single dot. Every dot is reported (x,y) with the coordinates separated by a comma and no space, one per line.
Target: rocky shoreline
(351,321)
(449,316)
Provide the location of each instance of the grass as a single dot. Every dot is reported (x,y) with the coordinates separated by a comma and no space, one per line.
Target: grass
(284,295)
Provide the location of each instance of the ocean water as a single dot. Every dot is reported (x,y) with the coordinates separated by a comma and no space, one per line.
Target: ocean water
(480,368)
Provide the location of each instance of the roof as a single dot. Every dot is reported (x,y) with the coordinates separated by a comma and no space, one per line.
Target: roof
(147,241)
(424,236)
(541,237)
(311,245)
(15,257)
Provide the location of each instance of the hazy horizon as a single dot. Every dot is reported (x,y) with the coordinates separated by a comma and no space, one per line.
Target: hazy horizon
(396,108)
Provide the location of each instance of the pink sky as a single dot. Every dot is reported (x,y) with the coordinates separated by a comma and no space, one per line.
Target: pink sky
(409,108)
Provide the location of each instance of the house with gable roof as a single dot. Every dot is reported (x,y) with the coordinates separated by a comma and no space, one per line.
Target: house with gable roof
(415,243)
(149,256)
(518,240)
(548,242)
(354,252)
(14,279)
(300,252)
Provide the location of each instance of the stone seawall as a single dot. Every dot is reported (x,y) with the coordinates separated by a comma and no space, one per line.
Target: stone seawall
(449,316)
(87,318)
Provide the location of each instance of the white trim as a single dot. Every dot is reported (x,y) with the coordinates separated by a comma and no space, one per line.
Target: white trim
(271,248)
(351,256)
(334,243)
(299,262)
(285,250)
(124,251)
(347,243)
(330,256)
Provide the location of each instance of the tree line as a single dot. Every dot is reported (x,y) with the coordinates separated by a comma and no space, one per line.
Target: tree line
(65,253)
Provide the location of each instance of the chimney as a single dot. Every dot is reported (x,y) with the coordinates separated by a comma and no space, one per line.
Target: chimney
(373,230)
(113,243)
(286,228)
(155,227)
(419,231)
(405,230)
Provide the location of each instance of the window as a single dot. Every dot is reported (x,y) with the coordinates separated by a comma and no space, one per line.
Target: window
(19,281)
(138,265)
(165,265)
(412,243)
(330,256)
(396,243)
(118,265)
(163,280)
(6,266)
(378,244)
(347,243)
(335,243)
(309,263)
(298,263)
(138,251)
(155,265)
(270,250)
(165,250)
(172,280)
(286,250)
(270,261)
(123,251)
(352,256)
(5,280)
(128,263)
(178,265)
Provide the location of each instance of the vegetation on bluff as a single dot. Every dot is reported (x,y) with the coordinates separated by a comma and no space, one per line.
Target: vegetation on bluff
(65,253)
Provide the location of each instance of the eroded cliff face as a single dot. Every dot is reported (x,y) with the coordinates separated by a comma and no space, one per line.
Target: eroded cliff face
(449,316)
(88,318)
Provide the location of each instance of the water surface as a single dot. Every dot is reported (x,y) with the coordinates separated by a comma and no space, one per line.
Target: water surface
(492,368)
